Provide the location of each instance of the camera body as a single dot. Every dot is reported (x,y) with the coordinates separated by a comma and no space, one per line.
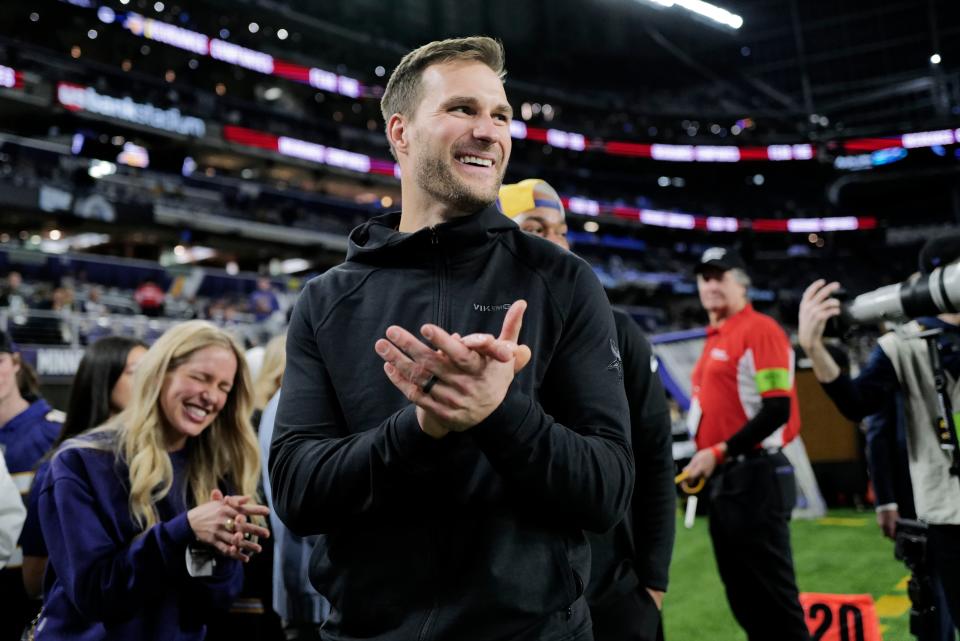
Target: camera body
(910,546)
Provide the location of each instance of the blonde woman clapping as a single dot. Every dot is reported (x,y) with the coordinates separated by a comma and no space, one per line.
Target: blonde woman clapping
(149,518)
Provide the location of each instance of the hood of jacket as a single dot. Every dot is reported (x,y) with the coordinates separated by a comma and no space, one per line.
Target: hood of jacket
(378,241)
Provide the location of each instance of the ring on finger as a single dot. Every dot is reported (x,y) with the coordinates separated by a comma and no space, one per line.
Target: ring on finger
(430,383)
(230,525)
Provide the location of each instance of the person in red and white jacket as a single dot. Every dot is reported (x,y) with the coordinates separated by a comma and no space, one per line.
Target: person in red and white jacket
(150,297)
(743,411)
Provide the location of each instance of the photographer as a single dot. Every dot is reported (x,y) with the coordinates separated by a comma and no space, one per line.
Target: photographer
(901,362)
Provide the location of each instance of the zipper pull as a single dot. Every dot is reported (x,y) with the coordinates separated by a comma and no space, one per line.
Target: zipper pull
(434,236)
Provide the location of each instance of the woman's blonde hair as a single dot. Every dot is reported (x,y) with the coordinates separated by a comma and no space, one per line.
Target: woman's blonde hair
(271,371)
(224,456)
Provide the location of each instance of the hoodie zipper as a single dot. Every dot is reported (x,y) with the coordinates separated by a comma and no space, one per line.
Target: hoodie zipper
(441,276)
(425,627)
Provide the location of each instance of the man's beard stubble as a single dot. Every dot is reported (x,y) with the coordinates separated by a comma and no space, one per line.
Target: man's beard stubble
(438,180)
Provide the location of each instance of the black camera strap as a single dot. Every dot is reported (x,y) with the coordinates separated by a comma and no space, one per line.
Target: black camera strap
(944,424)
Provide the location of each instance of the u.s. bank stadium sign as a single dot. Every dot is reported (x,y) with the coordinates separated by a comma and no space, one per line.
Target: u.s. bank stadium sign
(80,98)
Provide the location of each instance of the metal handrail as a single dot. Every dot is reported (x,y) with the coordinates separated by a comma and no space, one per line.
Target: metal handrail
(76,329)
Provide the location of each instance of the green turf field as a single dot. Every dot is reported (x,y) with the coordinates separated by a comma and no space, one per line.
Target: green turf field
(843,554)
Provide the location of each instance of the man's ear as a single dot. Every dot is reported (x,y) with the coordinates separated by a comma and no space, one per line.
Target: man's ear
(398,135)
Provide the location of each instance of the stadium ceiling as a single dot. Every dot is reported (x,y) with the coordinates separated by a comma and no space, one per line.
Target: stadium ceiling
(816,68)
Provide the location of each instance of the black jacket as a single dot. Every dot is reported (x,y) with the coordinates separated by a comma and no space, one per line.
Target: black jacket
(637,553)
(478,535)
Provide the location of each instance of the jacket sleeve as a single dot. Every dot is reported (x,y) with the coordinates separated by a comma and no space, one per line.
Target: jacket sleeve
(772,358)
(576,459)
(881,437)
(31,538)
(654,505)
(312,454)
(107,580)
(774,412)
(868,392)
(12,513)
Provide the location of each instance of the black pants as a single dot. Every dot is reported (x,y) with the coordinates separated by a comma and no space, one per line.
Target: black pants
(750,505)
(17,610)
(251,616)
(943,550)
(629,617)
(304,632)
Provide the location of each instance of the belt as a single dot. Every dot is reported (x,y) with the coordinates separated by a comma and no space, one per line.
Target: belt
(752,454)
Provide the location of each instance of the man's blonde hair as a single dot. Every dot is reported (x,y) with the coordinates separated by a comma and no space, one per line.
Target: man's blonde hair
(403,92)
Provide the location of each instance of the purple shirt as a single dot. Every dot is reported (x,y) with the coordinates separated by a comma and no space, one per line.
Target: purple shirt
(107,579)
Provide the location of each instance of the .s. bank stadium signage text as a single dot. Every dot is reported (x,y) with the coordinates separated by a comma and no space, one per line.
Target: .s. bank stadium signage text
(80,98)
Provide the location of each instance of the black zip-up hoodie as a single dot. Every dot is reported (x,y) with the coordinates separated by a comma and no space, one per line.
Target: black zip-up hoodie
(478,535)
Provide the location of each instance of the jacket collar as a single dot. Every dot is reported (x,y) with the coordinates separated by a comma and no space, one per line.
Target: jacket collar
(731,321)
(37,410)
(378,240)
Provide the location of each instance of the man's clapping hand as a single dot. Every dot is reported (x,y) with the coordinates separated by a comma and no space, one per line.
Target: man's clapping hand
(462,380)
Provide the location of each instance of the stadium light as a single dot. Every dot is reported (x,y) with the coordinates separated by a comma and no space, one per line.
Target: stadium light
(185,255)
(8,77)
(101,168)
(294,265)
(935,59)
(61,244)
(134,156)
(705,9)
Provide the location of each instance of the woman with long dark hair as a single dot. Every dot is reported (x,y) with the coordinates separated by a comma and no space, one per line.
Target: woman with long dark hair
(144,534)
(101,389)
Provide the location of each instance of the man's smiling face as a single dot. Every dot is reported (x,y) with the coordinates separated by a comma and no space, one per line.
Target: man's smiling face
(460,135)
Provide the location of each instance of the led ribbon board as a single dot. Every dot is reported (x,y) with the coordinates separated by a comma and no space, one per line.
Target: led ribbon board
(10,78)
(230,53)
(352,161)
(680,220)
(310,151)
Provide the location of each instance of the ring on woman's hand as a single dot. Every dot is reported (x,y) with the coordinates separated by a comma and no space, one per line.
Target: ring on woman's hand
(430,383)
(230,525)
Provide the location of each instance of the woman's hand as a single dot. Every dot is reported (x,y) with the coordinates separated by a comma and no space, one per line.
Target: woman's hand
(224,523)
